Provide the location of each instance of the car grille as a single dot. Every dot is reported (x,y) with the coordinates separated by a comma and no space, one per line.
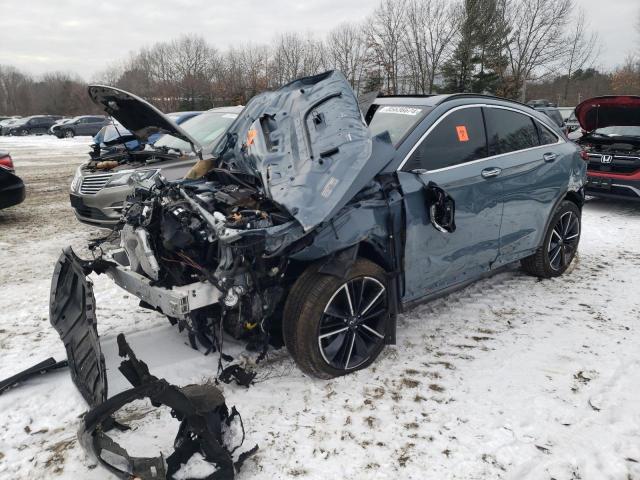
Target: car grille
(621,164)
(92,184)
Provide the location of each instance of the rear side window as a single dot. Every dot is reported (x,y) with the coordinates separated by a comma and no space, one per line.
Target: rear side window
(546,137)
(509,131)
(459,138)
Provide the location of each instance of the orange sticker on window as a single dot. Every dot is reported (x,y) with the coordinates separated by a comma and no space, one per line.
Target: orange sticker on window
(463,135)
(251,136)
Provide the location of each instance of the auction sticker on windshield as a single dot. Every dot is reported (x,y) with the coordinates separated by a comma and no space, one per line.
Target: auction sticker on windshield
(401,110)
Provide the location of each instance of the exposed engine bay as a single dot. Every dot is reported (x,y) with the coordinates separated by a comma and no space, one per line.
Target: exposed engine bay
(178,234)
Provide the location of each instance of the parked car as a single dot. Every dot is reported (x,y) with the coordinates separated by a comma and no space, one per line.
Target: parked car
(554,114)
(98,194)
(5,124)
(34,125)
(572,123)
(56,125)
(12,191)
(114,137)
(542,102)
(611,137)
(315,228)
(84,125)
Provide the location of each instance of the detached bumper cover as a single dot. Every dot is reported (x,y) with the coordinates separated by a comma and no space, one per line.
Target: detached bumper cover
(72,312)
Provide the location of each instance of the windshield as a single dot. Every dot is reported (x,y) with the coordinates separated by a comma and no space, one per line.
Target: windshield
(205,128)
(397,120)
(622,131)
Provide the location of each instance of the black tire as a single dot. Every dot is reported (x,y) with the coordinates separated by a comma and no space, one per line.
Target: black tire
(560,243)
(351,337)
(68,133)
(24,133)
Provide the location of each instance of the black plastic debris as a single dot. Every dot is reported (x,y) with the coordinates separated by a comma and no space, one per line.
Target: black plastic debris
(201,410)
(48,365)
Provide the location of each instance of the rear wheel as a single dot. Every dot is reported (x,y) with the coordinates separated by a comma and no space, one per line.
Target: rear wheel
(560,243)
(24,132)
(335,326)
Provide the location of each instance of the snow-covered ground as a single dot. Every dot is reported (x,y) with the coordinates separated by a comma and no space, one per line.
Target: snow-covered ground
(511,378)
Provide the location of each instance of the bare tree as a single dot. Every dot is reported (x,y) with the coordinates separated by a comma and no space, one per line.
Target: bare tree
(583,49)
(537,41)
(288,61)
(431,26)
(347,51)
(385,31)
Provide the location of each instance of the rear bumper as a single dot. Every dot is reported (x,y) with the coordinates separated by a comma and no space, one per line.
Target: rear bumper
(13,195)
(624,187)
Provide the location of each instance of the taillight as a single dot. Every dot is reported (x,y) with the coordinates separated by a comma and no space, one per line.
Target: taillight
(584,155)
(6,163)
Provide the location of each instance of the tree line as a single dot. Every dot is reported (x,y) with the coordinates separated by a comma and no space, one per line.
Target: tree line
(517,49)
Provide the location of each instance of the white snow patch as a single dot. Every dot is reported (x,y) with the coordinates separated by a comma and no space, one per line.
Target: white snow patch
(511,378)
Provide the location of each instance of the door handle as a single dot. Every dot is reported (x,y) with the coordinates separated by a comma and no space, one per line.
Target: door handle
(491,172)
(549,157)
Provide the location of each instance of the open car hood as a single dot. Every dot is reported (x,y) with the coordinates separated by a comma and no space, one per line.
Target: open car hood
(137,115)
(609,111)
(308,145)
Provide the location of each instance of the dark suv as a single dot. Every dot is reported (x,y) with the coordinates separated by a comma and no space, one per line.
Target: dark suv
(86,125)
(317,223)
(34,125)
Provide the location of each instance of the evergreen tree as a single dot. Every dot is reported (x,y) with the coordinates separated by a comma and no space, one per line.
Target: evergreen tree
(479,61)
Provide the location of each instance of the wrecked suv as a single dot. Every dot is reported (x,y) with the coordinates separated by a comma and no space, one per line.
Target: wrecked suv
(317,220)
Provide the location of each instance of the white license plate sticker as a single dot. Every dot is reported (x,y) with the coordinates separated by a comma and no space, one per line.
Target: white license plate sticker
(401,110)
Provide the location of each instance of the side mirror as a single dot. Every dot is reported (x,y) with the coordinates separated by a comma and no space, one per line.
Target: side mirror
(442,208)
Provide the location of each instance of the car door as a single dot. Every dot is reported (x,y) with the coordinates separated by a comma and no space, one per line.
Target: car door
(452,155)
(526,153)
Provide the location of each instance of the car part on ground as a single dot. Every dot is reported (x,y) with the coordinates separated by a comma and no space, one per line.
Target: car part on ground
(204,417)
(48,365)
(12,189)
(317,228)
(611,138)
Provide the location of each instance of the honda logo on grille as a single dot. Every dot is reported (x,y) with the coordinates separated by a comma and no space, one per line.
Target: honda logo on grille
(606,158)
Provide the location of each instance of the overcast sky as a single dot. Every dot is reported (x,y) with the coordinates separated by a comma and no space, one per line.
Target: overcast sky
(82,36)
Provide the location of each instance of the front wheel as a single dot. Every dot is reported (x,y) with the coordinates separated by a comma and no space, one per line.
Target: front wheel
(560,243)
(336,326)
(68,134)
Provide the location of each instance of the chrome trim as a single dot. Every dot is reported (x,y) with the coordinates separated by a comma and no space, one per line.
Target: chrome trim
(478,105)
(92,184)
(623,157)
(633,189)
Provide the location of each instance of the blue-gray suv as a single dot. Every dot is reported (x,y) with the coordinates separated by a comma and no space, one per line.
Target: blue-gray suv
(318,220)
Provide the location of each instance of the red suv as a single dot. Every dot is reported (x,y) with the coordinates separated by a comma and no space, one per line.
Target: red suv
(611,137)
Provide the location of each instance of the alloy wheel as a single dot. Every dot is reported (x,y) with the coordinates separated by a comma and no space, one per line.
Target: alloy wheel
(564,241)
(352,327)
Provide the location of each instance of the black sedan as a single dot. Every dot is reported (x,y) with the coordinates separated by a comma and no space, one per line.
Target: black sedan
(12,191)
